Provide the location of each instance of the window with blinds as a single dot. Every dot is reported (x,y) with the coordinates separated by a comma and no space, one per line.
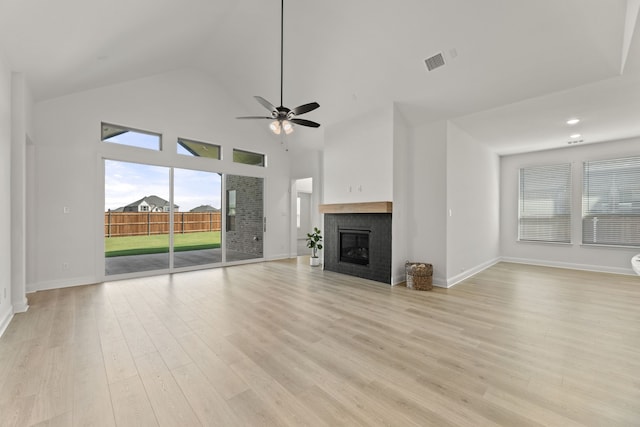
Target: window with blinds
(611,202)
(544,213)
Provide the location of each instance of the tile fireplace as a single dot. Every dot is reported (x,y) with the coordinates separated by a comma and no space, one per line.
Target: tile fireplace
(358,244)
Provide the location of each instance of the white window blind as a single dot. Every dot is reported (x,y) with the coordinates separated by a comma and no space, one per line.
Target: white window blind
(611,202)
(545,204)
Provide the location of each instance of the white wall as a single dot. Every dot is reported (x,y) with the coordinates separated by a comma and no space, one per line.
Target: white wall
(358,159)
(574,255)
(427,197)
(21,118)
(6,309)
(473,206)
(401,177)
(69,171)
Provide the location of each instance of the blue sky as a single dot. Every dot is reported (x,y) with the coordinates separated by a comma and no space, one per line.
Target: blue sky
(127,182)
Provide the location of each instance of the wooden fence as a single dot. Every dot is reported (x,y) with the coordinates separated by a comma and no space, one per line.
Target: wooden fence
(118,224)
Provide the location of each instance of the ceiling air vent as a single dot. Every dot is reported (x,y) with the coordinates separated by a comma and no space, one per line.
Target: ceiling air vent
(434,62)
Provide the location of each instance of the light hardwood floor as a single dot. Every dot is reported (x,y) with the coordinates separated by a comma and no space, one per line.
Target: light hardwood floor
(281,343)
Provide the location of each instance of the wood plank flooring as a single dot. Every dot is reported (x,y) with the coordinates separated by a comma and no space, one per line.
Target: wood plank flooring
(281,343)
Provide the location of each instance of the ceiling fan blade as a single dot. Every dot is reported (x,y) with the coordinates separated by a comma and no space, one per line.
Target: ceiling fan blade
(305,108)
(303,122)
(255,117)
(269,106)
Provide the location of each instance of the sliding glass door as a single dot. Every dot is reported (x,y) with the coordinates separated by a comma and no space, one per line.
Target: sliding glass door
(145,232)
(197,220)
(136,217)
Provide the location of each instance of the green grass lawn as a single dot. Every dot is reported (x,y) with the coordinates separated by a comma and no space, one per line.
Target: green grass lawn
(138,245)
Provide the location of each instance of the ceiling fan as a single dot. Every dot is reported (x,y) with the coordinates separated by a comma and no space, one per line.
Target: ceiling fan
(282,117)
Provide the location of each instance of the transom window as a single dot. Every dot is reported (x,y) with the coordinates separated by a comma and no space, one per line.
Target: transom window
(198,149)
(134,138)
(248,157)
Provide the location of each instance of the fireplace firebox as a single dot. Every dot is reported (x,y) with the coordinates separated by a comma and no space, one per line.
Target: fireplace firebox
(354,246)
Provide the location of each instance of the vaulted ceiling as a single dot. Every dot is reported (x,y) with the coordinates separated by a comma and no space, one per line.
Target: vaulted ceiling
(515,70)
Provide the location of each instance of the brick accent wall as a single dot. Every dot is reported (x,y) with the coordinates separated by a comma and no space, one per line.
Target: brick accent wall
(249,215)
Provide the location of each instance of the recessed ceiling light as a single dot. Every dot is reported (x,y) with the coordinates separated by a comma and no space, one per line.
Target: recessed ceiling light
(573,121)
(575,136)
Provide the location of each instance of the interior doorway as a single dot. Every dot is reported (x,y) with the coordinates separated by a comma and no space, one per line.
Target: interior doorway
(304,191)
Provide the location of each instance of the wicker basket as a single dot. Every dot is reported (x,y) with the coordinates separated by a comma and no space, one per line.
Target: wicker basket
(419,276)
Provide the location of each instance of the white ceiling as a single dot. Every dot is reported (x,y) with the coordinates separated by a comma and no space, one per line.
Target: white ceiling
(515,69)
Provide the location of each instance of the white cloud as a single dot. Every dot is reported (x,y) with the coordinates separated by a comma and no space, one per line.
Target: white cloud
(128,182)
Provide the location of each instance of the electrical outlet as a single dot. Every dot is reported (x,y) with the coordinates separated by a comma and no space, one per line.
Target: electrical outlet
(65,265)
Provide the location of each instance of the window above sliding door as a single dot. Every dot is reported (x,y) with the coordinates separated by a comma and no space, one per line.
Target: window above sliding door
(189,147)
(115,134)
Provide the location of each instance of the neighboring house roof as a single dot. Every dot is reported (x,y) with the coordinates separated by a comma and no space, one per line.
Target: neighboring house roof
(205,208)
(120,209)
(152,201)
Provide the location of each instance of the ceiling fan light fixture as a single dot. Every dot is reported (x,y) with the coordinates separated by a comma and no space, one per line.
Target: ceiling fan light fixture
(287,126)
(275,127)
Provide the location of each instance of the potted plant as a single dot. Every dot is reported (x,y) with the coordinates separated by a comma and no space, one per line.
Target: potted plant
(314,241)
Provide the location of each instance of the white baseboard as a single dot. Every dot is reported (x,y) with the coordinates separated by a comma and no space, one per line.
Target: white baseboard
(470,272)
(62,283)
(544,263)
(439,281)
(4,322)
(571,266)
(436,281)
(278,257)
(21,306)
